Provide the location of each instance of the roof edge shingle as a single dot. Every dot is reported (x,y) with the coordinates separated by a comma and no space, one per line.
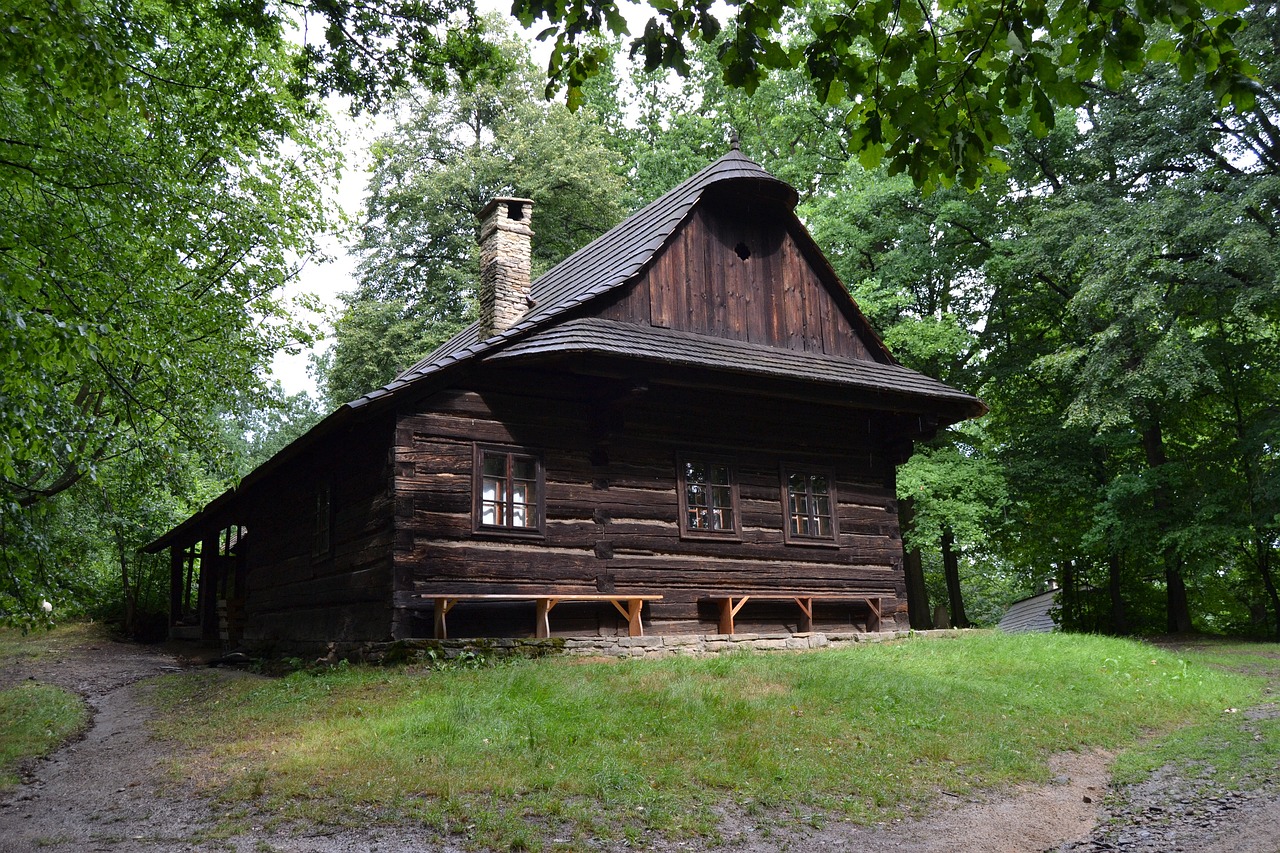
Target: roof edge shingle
(607,262)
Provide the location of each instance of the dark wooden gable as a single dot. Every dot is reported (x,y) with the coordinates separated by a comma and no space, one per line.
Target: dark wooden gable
(748,272)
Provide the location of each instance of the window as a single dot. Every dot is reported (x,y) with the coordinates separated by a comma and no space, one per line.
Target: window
(322,543)
(708,498)
(508,489)
(808,501)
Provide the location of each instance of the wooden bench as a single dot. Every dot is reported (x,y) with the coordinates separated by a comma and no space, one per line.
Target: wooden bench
(544,603)
(731,604)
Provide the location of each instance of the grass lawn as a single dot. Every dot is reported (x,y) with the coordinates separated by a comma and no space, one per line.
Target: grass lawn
(515,755)
(1236,749)
(36,719)
(16,646)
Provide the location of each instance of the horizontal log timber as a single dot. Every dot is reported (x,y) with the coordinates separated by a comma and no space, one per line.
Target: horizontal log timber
(662,536)
(442,604)
(610,449)
(435,554)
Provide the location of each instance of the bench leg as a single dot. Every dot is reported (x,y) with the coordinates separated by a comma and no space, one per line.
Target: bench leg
(634,627)
(806,618)
(873,621)
(441,609)
(542,627)
(726,616)
(728,610)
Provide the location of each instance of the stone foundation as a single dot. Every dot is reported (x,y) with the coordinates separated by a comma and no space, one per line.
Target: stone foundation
(689,645)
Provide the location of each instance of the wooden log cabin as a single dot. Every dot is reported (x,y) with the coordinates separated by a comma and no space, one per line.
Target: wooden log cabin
(688,418)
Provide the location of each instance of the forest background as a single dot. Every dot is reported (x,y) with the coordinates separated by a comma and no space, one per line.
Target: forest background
(1073,217)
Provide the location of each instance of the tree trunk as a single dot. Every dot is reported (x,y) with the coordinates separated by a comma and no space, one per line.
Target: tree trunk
(1177,608)
(130,598)
(918,609)
(951,567)
(1119,618)
(1269,581)
(1068,600)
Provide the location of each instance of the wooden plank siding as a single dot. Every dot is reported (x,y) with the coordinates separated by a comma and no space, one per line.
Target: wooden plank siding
(774,296)
(297,597)
(612,509)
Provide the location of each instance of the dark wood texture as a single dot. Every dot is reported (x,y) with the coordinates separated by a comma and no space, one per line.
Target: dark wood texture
(612,504)
(544,604)
(295,596)
(774,296)
(609,408)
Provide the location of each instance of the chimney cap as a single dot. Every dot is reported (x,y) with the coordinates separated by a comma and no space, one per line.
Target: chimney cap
(506,201)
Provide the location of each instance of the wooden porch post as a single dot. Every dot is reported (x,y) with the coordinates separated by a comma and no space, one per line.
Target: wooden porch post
(209,589)
(175,583)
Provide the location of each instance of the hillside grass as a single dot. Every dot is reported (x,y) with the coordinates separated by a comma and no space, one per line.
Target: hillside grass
(535,754)
(36,719)
(1238,749)
(16,646)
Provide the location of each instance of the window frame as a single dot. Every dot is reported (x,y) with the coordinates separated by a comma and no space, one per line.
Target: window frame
(537,506)
(786,472)
(735,504)
(322,533)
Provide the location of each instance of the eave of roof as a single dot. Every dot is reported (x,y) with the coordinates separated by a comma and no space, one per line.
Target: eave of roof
(670,346)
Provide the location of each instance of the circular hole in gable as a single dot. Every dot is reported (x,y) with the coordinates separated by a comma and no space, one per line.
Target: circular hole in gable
(742,251)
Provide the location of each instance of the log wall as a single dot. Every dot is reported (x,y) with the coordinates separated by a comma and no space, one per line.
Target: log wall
(613,512)
(297,598)
(775,296)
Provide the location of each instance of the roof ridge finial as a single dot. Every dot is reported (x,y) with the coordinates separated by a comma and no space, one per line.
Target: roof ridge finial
(734,144)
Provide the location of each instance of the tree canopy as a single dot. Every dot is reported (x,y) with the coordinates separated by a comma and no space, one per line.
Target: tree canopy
(448,155)
(158,182)
(933,88)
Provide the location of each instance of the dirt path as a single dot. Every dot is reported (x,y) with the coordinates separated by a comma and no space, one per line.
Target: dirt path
(114,791)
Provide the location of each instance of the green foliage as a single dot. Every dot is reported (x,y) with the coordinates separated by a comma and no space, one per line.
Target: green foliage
(1112,297)
(448,156)
(603,750)
(954,488)
(932,90)
(155,176)
(371,52)
(268,427)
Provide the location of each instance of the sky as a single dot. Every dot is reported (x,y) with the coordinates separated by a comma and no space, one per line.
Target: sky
(326,280)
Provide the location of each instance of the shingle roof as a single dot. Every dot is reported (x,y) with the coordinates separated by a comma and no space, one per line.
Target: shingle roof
(607,262)
(1030,614)
(670,346)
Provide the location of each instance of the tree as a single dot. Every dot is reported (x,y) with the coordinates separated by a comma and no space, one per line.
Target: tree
(932,87)
(432,175)
(1108,295)
(155,175)
(1137,296)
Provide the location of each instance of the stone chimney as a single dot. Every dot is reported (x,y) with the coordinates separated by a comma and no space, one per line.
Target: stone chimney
(505,238)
